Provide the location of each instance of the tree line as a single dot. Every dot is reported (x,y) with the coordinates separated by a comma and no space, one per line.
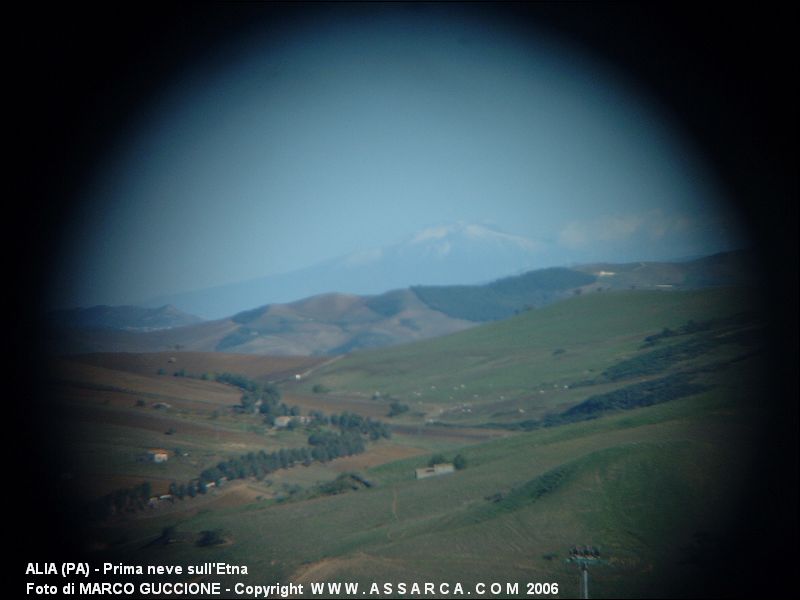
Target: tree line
(346,437)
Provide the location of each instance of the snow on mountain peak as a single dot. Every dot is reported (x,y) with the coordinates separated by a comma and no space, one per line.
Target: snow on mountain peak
(471,231)
(432,233)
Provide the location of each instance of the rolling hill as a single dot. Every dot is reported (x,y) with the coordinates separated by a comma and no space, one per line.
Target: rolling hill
(544,361)
(447,254)
(326,324)
(333,324)
(656,485)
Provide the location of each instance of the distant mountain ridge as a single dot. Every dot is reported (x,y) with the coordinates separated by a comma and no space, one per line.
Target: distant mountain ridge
(333,323)
(128,318)
(456,253)
(737,267)
(504,297)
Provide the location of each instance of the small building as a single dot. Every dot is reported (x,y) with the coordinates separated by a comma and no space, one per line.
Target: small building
(157,455)
(282,422)
(440,469)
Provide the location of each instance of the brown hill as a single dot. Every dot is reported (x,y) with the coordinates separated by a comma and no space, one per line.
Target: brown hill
(324,324)
(330,324)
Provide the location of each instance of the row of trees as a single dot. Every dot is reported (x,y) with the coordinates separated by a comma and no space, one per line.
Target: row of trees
(705,336)
(661,359)
(645,393)
(324,445)
(123,500)
(345,482)
(351,422)
(256,464)
(689,327)
(191,489)
(327,445)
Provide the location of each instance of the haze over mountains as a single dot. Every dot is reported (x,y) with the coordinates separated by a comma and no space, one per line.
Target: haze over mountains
(456,253)
(335,323)
(126,318)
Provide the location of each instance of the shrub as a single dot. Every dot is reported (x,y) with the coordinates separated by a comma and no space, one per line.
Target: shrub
(213,537)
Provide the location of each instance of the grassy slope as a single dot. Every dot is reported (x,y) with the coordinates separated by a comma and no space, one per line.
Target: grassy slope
(108,432)
(516,359)
(639,485)
(504,297)
(648,486)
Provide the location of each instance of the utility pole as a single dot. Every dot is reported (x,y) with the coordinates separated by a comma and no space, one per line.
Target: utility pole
(583,556)
(584,585)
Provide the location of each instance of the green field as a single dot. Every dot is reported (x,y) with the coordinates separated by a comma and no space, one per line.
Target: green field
(653,487)
(640,486)
(529,362)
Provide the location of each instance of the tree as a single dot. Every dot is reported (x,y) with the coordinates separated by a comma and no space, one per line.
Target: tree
(168,534)
(459,462)
(212,537)
(145,490)
(397,408)
(248,403)
(437,459)
(271,393)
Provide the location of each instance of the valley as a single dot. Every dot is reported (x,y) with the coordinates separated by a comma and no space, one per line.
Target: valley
(557,416)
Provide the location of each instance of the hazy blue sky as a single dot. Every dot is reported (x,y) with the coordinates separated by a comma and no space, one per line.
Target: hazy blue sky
(348,133)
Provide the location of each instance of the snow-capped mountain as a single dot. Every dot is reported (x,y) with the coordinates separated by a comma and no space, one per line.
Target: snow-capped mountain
(456,253)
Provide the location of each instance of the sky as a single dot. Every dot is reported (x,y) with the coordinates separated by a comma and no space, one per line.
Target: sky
(358,128)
